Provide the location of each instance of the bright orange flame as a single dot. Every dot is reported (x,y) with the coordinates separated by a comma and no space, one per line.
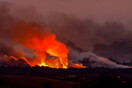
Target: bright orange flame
(77,66)
(49,51)
(49,45)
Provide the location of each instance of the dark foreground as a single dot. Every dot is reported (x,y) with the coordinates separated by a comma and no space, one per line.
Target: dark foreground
(40,77)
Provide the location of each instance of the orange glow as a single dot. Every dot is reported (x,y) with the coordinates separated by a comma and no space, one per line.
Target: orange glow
(49,51)
(77,66)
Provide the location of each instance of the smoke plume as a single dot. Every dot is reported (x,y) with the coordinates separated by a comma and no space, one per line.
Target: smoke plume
(90,59)
(86,34)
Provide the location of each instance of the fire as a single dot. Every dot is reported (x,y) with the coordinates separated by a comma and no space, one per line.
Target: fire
(49,51)
(77,66)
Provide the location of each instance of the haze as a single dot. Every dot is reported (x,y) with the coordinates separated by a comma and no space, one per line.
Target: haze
(99,10)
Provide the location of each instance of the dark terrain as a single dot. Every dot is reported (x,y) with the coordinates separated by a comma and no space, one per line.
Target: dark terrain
(43,77)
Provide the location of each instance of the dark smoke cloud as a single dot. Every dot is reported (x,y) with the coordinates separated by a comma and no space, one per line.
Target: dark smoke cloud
(15,26)
(10,57)
(6,19)
(84,33)
(9,51)
(87,33)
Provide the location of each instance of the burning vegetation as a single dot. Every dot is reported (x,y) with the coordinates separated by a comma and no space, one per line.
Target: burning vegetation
(47,50)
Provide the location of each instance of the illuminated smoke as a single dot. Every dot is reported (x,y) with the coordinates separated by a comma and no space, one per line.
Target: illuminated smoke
(28,32)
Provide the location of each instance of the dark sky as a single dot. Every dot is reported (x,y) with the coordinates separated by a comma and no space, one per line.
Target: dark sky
(100,10)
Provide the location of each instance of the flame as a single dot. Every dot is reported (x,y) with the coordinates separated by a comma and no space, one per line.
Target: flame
(49,51)
(77,66)
(56,51)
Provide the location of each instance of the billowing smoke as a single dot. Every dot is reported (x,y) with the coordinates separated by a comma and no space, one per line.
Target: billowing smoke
(10,57)
(87,33)
(13,31)
(84,33)
(90,59)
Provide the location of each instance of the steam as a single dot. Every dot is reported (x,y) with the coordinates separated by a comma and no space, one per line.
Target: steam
(84,33)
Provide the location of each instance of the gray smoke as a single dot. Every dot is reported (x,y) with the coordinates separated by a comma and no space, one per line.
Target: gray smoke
(10,57)
(89,59)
